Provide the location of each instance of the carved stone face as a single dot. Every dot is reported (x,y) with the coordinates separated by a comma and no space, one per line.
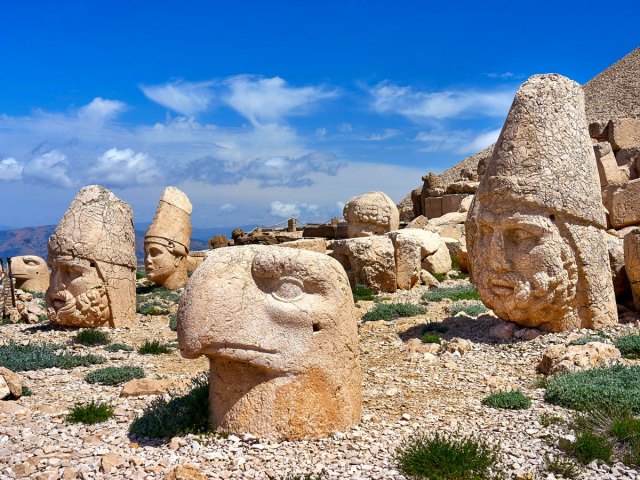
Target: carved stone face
(159,262)
(527,272)
(372,213)
(279,329)
(77,295)
(30,272)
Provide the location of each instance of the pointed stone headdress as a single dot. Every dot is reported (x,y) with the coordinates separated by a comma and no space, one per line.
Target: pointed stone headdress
(171,225)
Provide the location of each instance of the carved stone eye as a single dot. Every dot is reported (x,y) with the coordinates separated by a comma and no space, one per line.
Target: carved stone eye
(288,289)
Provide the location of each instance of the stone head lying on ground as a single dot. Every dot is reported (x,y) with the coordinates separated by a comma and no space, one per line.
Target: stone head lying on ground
(278,326)
(536,231)
(372,213)
(167,241)
(93,261)
(31,273)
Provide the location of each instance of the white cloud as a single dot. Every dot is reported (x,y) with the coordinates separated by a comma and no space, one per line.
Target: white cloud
(481,142)
(285,210)
(124,168)
(345,127)
(101,109)
(50,169)
(385,135)
(186,98)
(458,141)
(228,208)
(389,98)
(10,169)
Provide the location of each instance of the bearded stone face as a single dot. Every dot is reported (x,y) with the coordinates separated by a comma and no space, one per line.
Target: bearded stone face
(525,270)
(77,295)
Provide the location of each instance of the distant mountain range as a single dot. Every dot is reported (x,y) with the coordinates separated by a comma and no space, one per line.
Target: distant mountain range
(33,241)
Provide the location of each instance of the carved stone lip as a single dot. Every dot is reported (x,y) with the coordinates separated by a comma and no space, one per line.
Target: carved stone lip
(503,287)
(229,347)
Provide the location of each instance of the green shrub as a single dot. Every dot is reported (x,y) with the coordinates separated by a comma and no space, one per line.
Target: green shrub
(514,400)
(616,386)
(180,415)
(473,309)
(437,327)
(562,466)
(116,347)
(590,446)
(91,337)
(152,308)
(441,277)
(431,338)
(43,318)
(547,419)
(90,413)
(441,457)
(153,347)
(305,476)
(140,274)
(26,391)
(21,358)
(458,276)
(362,292)
(629,346)
(114,375)
(626,430)
(457,292)
(173,322)
(157,291)
(390,311)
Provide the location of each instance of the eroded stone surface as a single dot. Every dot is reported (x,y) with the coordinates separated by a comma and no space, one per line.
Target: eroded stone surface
(574,358)
(279,328)
(93,260)
(368,261)
(632,263)
(372,213)
(535,232)
(167,241)
(31,273)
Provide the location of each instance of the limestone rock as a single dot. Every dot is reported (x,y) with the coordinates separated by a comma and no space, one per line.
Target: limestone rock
(93,263)
(462,255)
(427,279)
(621,201)
(413,248)
(13,383)
(459,345)
(439,262)
(615,247)
(145,386)
(186,472)
(368,261)
(372,213)
(608,169)
(283,361)
(194,259)
(30,272)
(575,358)
(632,263)
(503,331)
(624,132)
(312,244)
(536,231)
(219,241)
(167,241)
(5,391)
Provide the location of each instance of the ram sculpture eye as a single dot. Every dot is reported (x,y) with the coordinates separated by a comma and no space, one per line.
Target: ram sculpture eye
(288,289)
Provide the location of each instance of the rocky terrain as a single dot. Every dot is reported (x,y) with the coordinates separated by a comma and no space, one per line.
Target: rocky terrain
(409,388)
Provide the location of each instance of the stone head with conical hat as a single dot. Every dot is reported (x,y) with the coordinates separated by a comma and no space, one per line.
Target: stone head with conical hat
(536,229)
(92,258)
(166,243)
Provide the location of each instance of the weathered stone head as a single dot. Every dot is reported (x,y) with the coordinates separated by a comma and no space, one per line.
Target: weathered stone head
(93,260)
(372,213)
(31,273)
(166,243)
(536,230)
(278,326)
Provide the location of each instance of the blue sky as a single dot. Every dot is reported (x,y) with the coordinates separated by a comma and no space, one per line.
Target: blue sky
(263,110)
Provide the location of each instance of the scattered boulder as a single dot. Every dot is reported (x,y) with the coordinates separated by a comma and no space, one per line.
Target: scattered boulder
(10,384)
(219,241)
(575,358)
(145,386)
(368,261)
(503,331)
(186,472)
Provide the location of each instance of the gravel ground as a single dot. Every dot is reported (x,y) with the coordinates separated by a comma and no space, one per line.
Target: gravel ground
(404,393)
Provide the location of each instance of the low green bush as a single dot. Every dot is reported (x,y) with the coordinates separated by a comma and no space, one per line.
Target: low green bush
(629,346)
(548,419)
(457,292)
(437,327)
(560,465)
(39,295)
(515,400)
(617,386)
(153,347)
(305,476)
(431,338)
(43,318)
(390,311)
(590,446)
(156,291)
(173,322)
(90,413)
(116,347)
(140,274)
(152,308)
(91,337)
(362,292)
(471,308)
(444,457)
(21,358)
(180,415)
(114,375)
(26,391)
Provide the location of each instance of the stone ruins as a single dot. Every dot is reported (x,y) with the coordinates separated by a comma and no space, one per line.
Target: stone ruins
(93,261)
(31,273)
(283,359)
(167,241)
(536,231)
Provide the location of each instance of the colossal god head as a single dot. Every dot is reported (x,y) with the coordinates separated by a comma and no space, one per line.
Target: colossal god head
(372,213)
(31,273)
(279,328)
(92,258)
(167,241)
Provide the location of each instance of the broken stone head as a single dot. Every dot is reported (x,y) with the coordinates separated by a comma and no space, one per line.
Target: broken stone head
(372,213)
(536,231)
(278,326)
(166,243)
(93,261)
(31,273)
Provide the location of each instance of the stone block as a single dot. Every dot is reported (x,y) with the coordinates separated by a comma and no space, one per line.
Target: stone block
(451,203)
(622,201)
(624,133)
(598,130)
(432,207)
(608,169)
